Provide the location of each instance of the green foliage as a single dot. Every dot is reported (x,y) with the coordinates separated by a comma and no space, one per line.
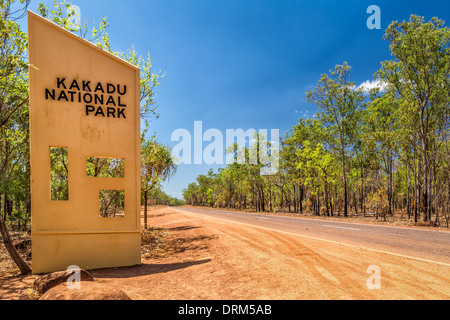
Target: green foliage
(384,151)
(162,198)
(14,126)
(62,15)
(156,163)
(112,203)
(418,83)
(105,167)
(59,174)
(14,134)
(387,151)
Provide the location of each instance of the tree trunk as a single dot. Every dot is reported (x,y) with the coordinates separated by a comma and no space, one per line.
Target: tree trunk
(288,201)
(270,199)
(390,187)
(425,208)
(416,191)
(408,200)
(326,199)
(295,198)
(281,198)
(336,200)
(21,264)
(435,196)
(345,185)
(361,195)
(5,205)
(301,199)
(145,208)
(263,202)
(318,203)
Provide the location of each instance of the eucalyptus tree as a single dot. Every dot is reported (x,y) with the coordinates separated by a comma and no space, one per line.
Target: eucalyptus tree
(13,95)
(289,158)
(13,111)
(255,163)
(190,193)
(13,62)
(392,144)
(338,102)
(318,165)
(382,120)
(419,78)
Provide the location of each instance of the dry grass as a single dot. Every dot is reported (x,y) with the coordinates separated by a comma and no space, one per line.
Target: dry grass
(7,266)
(22,240)
(156,243)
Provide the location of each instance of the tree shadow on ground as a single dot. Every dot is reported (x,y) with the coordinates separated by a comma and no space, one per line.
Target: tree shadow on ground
(152,215)
(16,288)
(194,244)
(143,269)
(182,228)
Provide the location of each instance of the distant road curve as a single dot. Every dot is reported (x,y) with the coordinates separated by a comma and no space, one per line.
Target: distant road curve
(422,244)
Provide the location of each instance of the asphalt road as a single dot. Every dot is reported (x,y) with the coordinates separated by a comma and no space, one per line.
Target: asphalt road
(422,244)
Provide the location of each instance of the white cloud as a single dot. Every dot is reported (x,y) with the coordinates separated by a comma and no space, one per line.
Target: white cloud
(367,85)
(352,87)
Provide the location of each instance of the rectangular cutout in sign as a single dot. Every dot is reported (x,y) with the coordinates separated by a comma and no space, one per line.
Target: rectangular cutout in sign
(112,203)
(59,174)
(105,167)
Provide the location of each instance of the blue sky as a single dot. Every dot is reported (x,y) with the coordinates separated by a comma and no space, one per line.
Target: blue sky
(246,63)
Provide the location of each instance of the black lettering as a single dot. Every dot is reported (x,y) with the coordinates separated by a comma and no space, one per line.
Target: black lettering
(120,104)
(50,93)
(111,111)
(86,86)
(121,112)
(89,109)
(71,95)
(111,101)
(108,88)
(98,99)
(87,95)
(124,90)
(63,95)
(99,87)
(60,82)
(74,85)
(99,111)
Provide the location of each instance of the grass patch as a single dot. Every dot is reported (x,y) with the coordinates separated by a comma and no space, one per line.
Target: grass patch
(156,243)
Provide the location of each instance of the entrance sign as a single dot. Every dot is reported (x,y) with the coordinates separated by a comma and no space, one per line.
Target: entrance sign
(84,151)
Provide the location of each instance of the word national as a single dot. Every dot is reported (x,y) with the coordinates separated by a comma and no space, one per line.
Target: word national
(103,100)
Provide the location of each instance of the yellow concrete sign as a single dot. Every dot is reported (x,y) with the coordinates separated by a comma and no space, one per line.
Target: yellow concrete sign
(84,151)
